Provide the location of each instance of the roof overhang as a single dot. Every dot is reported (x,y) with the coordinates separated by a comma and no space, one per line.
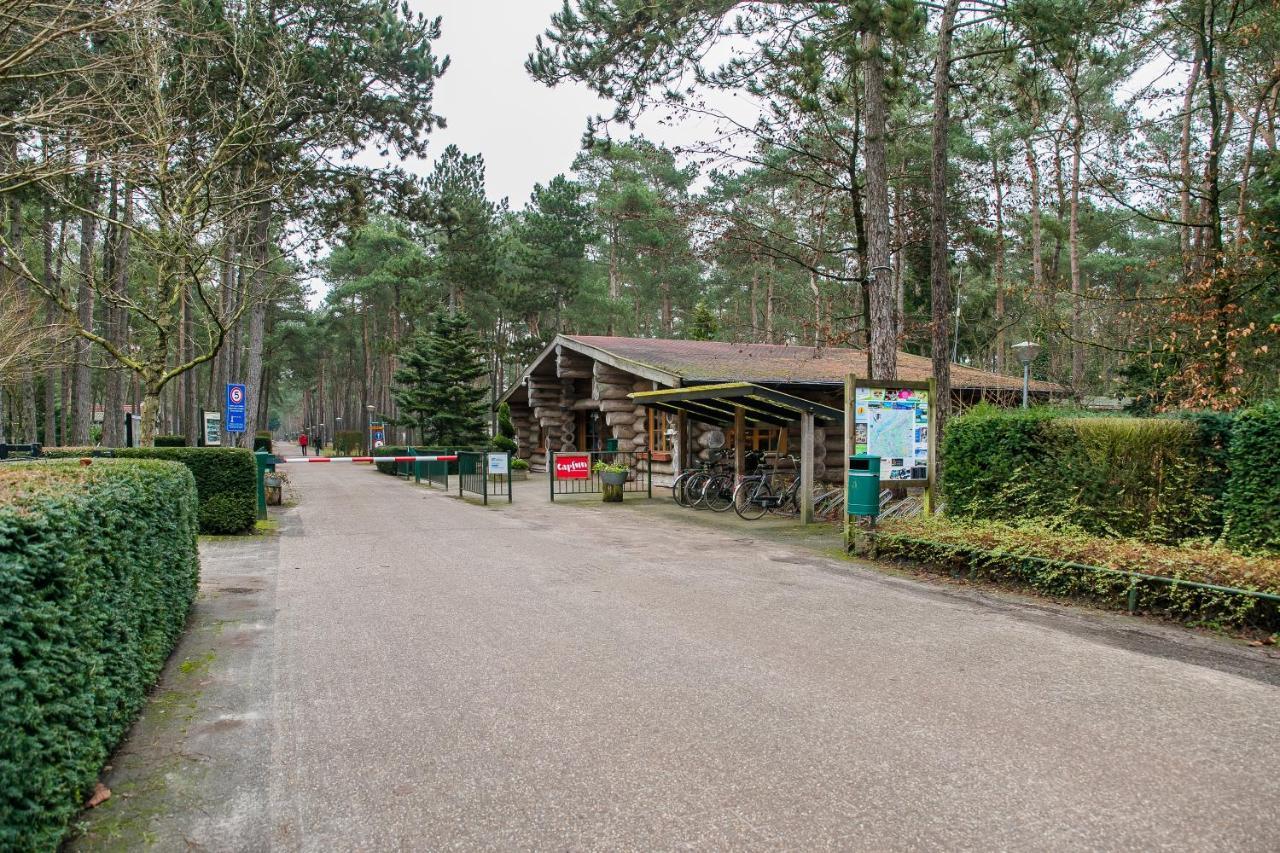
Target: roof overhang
(644,371)
(716,404)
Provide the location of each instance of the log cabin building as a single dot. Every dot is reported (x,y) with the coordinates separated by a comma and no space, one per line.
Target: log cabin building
(575,395)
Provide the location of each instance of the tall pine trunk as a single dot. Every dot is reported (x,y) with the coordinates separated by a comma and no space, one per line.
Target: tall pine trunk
(939,254)
(884,333)
(82,385)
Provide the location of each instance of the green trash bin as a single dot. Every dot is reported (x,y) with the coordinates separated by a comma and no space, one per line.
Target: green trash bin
(863,496)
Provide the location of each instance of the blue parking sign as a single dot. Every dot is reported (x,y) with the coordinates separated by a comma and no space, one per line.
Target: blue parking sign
(235,407)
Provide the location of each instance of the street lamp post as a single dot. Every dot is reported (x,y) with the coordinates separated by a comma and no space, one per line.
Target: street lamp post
(320,426)
(1026,353)
(368,428)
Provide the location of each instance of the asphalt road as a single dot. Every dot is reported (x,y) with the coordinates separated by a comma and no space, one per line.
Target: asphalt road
(440,675)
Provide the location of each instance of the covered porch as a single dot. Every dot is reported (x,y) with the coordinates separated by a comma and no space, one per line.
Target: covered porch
(736,406)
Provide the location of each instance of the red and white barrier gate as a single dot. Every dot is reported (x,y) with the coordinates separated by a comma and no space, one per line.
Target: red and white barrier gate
(281,459)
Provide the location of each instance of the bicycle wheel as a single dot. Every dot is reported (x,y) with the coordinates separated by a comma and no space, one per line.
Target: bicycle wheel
(693,490)
(750,499)
(717,494)
(677,488)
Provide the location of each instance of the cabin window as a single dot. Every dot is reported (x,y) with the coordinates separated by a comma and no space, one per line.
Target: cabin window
(659,424)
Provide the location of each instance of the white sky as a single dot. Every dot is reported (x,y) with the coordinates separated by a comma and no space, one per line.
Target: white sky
(526,131)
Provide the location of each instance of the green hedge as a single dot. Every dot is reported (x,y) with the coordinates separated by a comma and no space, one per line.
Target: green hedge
(226,479)
(170,441)
(98,569)
(1252,502)
(347,442)
(1152,479)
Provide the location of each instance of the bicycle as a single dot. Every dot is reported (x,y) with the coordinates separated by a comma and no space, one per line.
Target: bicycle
(687,488)
(717,491)
(755,495)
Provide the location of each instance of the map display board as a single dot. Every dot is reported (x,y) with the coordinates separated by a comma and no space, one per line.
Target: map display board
(893,423)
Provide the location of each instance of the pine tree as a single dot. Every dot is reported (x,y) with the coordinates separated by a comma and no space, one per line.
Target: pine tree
(438,386)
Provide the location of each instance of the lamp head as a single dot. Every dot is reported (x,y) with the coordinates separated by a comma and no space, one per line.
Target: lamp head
(1026,351)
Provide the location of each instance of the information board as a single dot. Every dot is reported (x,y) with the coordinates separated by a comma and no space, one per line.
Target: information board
(497,463)
(212,429)
(893,423)
(235,407)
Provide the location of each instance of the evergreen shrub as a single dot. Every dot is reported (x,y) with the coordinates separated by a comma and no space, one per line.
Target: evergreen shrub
(1151,479)
(226,481)
(506,437)
(347,442)
(98,569)
(170,441)
(1252,503)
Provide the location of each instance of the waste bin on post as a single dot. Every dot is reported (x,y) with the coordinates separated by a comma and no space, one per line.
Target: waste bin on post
(863,495)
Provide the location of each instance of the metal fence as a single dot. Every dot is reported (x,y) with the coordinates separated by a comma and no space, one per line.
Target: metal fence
(485,474)
(435,473)
(573,480)
(27,451)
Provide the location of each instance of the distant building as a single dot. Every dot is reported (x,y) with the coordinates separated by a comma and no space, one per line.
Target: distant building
(574,395)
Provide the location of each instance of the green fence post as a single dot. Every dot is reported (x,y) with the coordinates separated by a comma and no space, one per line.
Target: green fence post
(263,459)
(417,470)
(459,464)
(551,474)
(509,478)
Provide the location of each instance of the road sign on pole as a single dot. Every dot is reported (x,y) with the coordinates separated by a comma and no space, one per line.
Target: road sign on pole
(235,407)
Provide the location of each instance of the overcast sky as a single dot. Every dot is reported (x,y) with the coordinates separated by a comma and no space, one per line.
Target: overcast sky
(526,131)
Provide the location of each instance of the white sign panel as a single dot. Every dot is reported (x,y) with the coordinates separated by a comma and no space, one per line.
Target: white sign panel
(212,429)
(497,463)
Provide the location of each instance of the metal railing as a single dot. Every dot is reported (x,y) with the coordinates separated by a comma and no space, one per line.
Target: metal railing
(435,473)
(577,481)
(28,451)
(486,474)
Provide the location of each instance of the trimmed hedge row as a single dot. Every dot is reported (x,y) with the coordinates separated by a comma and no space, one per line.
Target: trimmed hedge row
(348,442)
(98,569)
(1194,475)
(1252,499)
(226,480)
(170,441)
(1152,479)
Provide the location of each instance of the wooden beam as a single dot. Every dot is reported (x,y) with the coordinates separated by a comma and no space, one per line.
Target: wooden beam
(739,443)
(806,468)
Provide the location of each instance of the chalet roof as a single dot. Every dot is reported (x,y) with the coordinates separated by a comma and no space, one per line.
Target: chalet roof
(695,362)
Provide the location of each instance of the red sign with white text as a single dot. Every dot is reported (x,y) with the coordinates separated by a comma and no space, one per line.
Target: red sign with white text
(573,466)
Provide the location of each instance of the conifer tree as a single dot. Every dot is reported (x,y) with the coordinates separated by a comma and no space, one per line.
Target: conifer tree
(438,386)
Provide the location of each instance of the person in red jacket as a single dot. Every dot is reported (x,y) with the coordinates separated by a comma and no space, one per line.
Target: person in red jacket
(302,442)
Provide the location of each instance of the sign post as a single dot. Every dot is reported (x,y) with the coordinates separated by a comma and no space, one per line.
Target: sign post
(235,407)
(212,429)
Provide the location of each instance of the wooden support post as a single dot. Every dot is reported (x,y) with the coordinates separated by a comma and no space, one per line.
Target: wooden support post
(850,427)
(739,443)
(806,468)
(681,455)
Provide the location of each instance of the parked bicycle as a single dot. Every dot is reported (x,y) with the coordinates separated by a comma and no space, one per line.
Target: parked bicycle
(717,490)
(758,494)
(687,488)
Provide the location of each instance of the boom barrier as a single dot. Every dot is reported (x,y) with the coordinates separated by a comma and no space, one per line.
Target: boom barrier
(367,459)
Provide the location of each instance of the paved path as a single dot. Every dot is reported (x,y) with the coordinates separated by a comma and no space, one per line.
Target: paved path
(440,675)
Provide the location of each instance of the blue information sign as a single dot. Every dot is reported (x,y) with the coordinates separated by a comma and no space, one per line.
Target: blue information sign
(235,408)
